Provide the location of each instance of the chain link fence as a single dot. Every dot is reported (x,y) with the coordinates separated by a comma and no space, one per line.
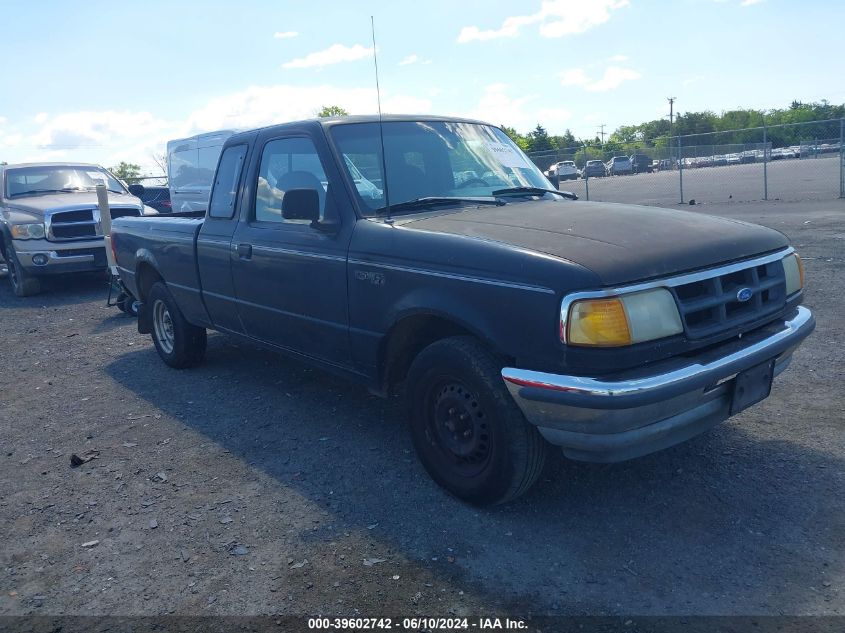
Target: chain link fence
(800,161)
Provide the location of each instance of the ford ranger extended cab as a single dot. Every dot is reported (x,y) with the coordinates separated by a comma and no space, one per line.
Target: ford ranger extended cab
(511,317)
(50,222)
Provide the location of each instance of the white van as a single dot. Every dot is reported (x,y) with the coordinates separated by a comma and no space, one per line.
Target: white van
(190,168)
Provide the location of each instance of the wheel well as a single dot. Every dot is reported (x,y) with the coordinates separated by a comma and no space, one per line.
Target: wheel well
(146,276)
(407,338)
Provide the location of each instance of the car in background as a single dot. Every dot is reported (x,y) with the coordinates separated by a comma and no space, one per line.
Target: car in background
(641,164)
(564,170)
(619,166)
(594,169)
(155,196)
(50,220)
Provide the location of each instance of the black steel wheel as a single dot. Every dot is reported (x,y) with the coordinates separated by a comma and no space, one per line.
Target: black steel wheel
(467,430)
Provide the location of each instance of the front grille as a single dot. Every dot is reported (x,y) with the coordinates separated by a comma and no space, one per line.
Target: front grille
(81,224)
(711,306)
(73,225)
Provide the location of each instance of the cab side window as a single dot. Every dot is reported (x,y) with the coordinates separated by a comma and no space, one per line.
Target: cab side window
(225,190)
(290,163)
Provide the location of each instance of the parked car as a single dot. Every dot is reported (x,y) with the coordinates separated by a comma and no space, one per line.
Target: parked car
(594,169)
(510,317)
(153,196)
(662,164)
(564,170)
(640,164)
(50,221)
(619,166)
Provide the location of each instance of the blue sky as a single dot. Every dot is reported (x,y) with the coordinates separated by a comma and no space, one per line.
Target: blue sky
(103,82)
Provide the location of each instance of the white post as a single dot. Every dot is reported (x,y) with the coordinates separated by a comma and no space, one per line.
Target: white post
(105,223)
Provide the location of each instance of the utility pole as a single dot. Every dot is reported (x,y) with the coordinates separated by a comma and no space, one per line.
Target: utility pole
(601,131)
(671,101)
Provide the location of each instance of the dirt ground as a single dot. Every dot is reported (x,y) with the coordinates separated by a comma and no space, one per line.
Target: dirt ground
(255,485)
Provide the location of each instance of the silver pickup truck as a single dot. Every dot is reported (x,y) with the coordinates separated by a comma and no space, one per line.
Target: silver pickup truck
(49,220)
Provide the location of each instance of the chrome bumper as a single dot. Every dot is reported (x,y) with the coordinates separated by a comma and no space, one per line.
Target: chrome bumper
(638,412)
(60,257)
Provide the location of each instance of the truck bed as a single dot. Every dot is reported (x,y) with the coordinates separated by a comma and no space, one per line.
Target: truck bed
(166,243)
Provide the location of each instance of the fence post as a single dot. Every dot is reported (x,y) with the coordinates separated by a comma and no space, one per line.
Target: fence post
(842,158)
(680,169)
(765,163)
(586,174)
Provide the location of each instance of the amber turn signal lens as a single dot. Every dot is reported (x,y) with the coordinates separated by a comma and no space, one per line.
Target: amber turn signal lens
(599,322)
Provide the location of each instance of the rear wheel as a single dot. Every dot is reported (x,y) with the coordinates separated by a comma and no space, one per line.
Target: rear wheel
(179,343)
(467,430)
(23,284)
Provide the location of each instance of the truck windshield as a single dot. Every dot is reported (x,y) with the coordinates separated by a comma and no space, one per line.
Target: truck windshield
(23,181)
(431,159)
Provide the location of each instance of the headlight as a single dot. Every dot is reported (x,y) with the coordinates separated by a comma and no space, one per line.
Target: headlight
(794,271)
(621,320)
(27,231)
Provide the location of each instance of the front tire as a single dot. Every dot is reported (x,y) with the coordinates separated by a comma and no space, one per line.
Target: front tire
(467,431)
(23,284)
(179,343)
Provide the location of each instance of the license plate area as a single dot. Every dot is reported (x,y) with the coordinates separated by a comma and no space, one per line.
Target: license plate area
(752,385)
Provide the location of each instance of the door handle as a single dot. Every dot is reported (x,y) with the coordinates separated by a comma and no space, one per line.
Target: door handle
(245,251)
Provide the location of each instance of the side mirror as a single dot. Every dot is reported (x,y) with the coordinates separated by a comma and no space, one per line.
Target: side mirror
(136,190)
(301,204)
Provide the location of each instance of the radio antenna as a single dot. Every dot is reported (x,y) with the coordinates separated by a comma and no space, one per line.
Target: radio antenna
(380,125)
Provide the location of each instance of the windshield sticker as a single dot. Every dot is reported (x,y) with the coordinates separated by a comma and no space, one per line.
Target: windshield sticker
(506,155)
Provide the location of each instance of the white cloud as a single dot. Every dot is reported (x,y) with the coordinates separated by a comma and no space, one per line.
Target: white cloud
(3,120)
(618,58)
(496,106)
(556,18)
(95,129)
(11,140)
(691,80)
(748,3)
(265,105)
(573,77)
(283,35)
(614,76)
(410,59)
(334,54)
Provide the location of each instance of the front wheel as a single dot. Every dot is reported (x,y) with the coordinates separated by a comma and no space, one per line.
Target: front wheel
(468,432)
(179,343)
(23,284)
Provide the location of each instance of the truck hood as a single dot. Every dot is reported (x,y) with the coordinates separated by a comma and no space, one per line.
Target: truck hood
(39,205)
(620,243)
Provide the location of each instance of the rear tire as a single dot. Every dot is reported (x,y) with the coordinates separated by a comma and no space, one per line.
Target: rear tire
(179,343)
(23,284)
(467,430)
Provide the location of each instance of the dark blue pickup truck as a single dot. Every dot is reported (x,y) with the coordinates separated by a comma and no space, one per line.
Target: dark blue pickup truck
(428,256)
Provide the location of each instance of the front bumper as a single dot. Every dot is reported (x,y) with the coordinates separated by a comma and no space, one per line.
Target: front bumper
(641,411)
(64,257)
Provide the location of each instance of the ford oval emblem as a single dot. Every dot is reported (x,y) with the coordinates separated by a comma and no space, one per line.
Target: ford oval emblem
(744,294)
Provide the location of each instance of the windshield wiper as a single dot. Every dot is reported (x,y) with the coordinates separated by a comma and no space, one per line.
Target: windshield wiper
(437,201)
(533,191)
(34,191)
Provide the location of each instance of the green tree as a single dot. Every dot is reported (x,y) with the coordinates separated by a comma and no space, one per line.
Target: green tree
(520,139)
(128,172)
(539,139)
(332,110)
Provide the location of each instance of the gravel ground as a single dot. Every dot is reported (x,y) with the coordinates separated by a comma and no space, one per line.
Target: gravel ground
(255,485)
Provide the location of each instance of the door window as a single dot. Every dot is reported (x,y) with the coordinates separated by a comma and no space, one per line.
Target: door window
(290,163)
